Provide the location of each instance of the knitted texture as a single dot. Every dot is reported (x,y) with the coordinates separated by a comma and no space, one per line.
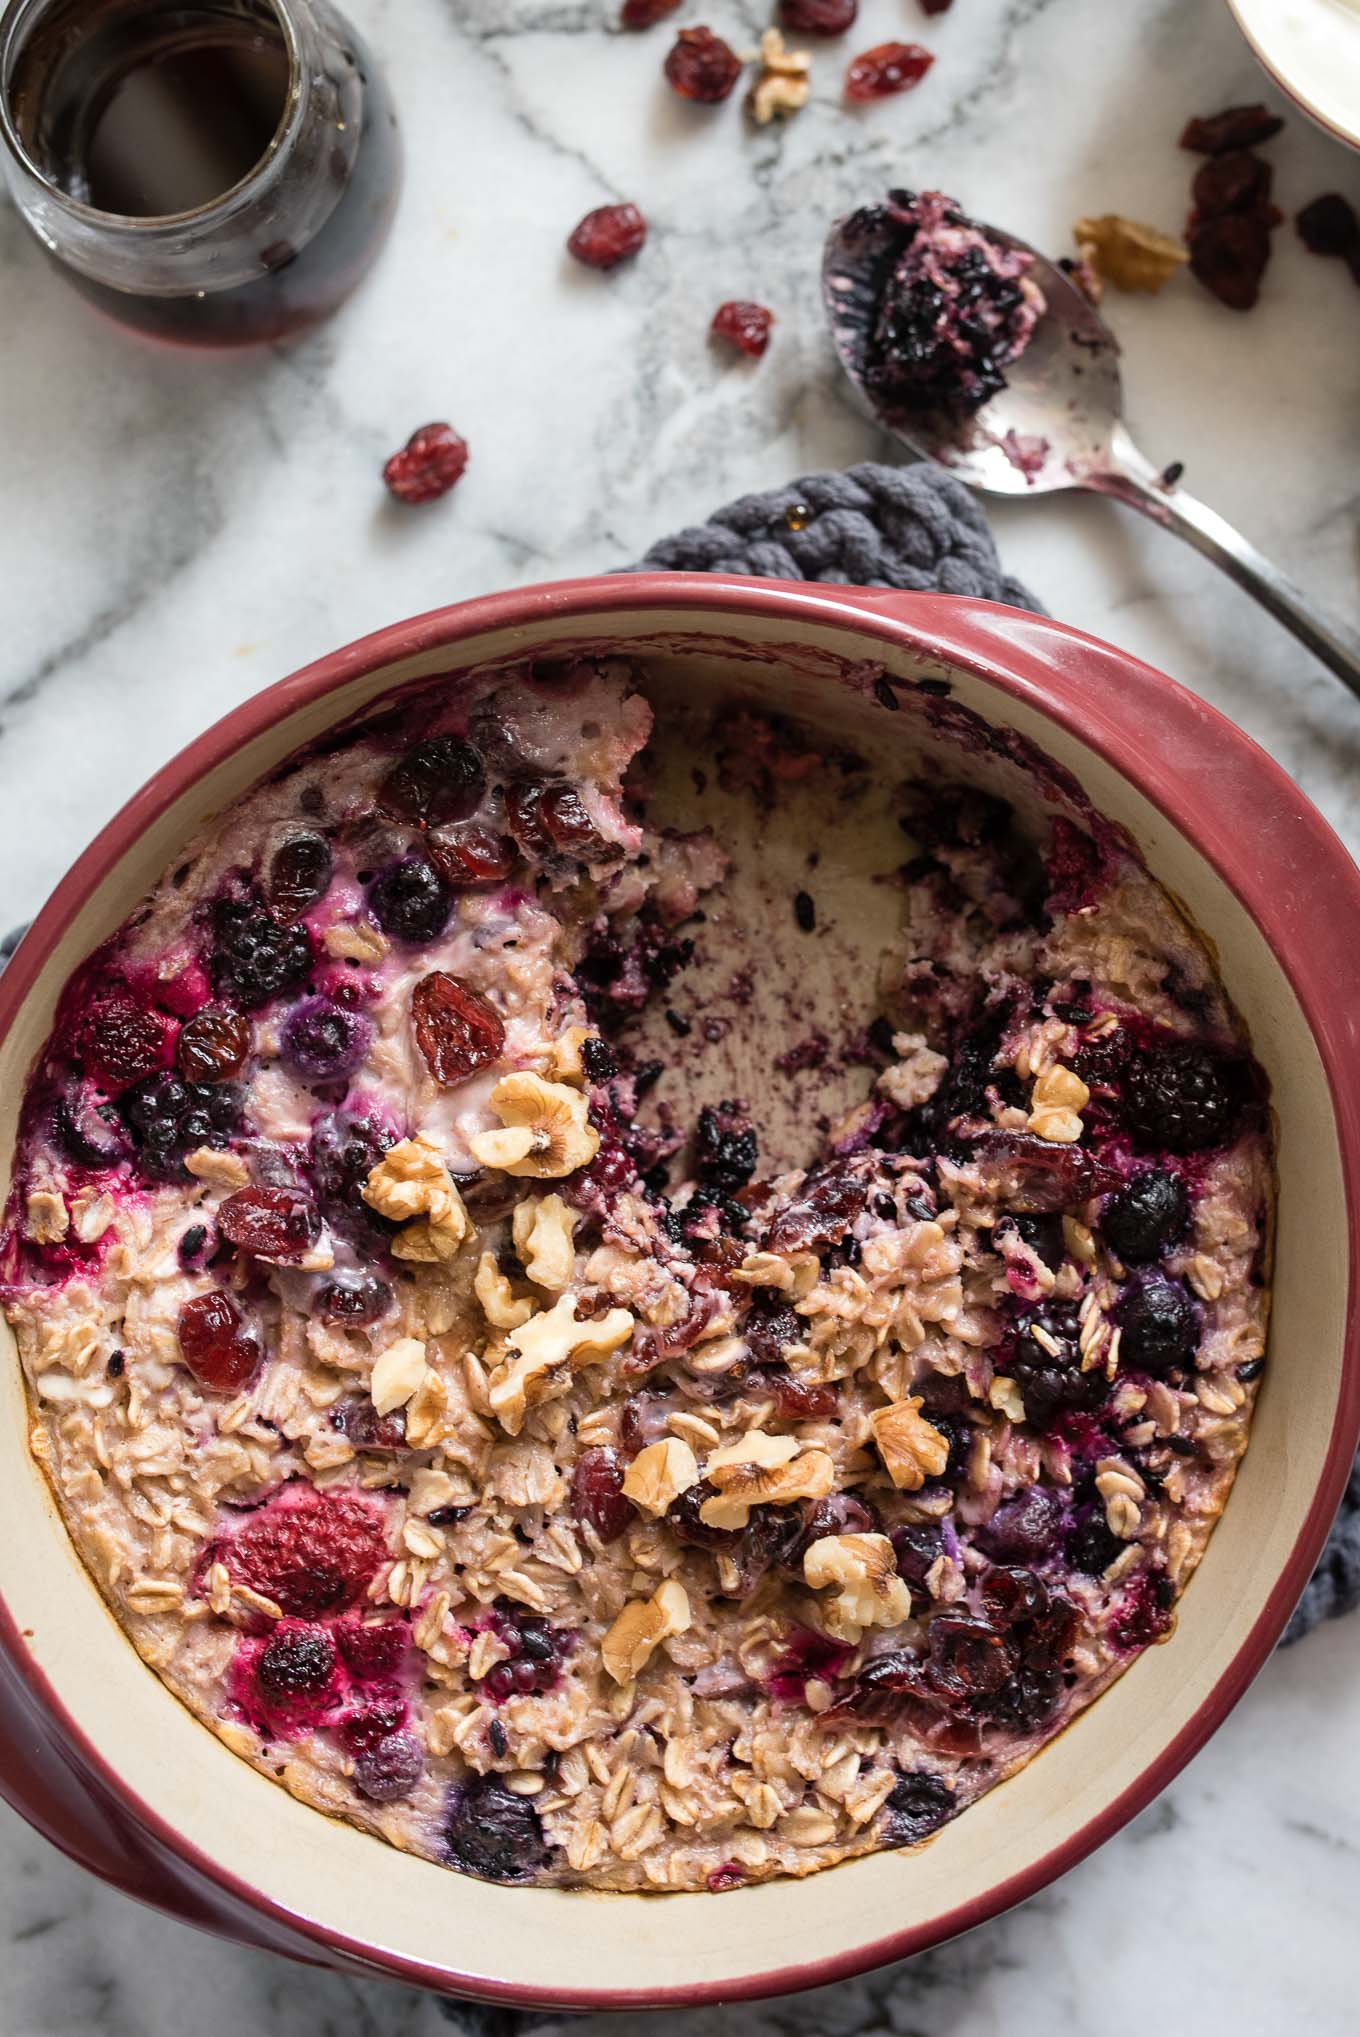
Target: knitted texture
(913,527)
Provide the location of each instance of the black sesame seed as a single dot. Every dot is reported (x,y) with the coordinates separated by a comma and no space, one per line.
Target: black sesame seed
(678,1024)
(1253,1369)
(500,1741)
(115,1365)
(918,1207)
(804,911)
(885,696)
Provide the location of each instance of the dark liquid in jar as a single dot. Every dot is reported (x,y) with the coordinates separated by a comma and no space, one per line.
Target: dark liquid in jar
(149,110)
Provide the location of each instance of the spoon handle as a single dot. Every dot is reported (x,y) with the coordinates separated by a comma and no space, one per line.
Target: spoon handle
(1133,479)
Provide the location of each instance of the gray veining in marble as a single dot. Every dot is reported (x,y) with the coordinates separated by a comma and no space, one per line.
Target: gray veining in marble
(180,531)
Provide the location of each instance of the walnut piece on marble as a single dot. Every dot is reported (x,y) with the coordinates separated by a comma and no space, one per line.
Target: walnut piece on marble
(783,84)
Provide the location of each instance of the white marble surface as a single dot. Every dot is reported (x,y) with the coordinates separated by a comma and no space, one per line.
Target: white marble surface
(180,531)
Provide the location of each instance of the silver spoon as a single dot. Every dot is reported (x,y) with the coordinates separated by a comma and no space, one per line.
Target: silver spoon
(1057,424)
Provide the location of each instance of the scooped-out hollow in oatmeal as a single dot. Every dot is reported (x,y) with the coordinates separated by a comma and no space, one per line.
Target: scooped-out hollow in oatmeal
(543,1410)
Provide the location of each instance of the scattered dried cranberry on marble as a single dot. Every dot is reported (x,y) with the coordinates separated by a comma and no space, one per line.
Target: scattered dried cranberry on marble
(646,13)
(428,465)
(214,1342)
(1237,127)
(818,17)
(887,68)
(701,66)
(456,1029)
(607,236)
(1328,226)
(744,325)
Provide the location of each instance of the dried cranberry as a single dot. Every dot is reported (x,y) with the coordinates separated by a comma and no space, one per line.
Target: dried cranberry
(297,1662)
(936,6)
(818,17)
(1159,1325)
(646,13)
(273,1223)
(797,1400)
(822,1211)
(597,1498)
(1236,182)
(839,1514)
(569,824)
(212,1045)
(917,1805)
(1237,127)
(887,68)
(768,1330)
(471,854)
(806,1654)
(119,1042)
(1228,254)
(731,1874)
(1144,1615)
(372,1650)
(607,236)
(1180,1097)
(299,873)
(361,1425)
(428,465)
(353,1301)
(968,1657)
(254,960)
(391,1769)
(311,1552)
(214,1343)
(438,780)
(1328,225)
(456,1029)
(373,1721)
(409,901)
(1010,1596)
(492,1833)
(1149,1213)
(744,325)
(702,66)
(323,1041)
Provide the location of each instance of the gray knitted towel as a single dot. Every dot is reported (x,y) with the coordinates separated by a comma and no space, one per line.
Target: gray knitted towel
(911,527)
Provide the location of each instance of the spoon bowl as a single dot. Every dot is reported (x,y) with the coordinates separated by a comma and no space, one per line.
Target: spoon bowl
(1057,421)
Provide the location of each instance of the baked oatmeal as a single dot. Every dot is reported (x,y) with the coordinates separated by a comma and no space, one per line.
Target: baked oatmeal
(543,1473)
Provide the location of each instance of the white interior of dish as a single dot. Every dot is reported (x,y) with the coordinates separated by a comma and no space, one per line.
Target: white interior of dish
(1313,48)
(552,1942)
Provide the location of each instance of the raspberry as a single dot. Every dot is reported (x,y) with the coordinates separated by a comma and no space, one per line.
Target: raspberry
(364,1728)
(456,1030)
(428,465)
(253,960)
(409,901)
(607,236)
(323,1042)
(119,1042)
(745,325)
(701,66)
(372,1651)
(438,780)
(311,1552)
(214,1344)
(299,874)
(1141,1219)
(887,68)
(1180,1097)
(212,1045)
(818,17)
(271,1223)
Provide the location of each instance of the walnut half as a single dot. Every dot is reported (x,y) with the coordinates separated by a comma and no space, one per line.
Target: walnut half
(548,1349)
(871,1593)
(546,1128)
(912,1451)
(761,1470)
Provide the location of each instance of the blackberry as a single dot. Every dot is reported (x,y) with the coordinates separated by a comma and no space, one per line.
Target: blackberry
(253,960)
(1053,1383)
(1180,1098)
(410,902)
(493,1834)
(725,1146)
(298,1663)
(169,1118)
(1160,1325)
(89,1131)
(1140,1220)
(343,1152)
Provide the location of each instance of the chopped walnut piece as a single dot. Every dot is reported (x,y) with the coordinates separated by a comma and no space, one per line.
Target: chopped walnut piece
(46,1220)
(1057,1099)
(912,1451)
(564,1061)
(497,1297)
(783,84)
(397,1373)
(761,1470)
(356,943)
(917,1074)
(547,1130)
(659,1474)
(871,1593)
(412,1186)
(1004,1395)
(218,1169)
(542,1228)
(1130,256)
(547,1349)
(627,1648)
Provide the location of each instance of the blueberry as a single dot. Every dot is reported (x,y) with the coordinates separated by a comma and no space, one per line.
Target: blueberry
(410,902)
(1027,1526)
(1160,1325)
(391,1769)
(917,1805)
(1149,1213)
(1090,1546)
(493,1834)
(322,1042)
